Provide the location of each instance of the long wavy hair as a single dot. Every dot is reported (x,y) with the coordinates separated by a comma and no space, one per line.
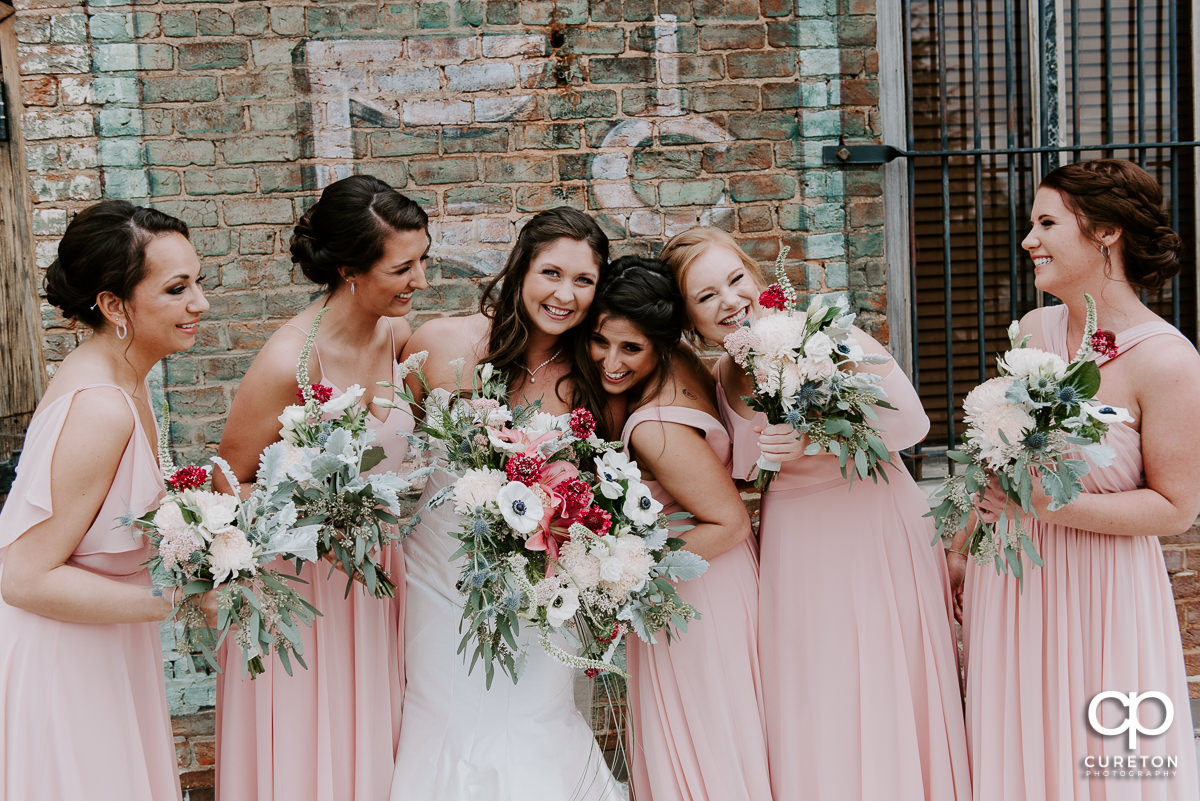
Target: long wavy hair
(508,332)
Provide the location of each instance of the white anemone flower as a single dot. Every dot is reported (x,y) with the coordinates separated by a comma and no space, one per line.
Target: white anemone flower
(1107,414)
(640,506)
(1033,363)
(292,417)
(521,508)
(563,606)
(612,468)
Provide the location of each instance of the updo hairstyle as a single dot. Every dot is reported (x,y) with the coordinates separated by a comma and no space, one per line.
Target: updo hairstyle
(104,250)
(1112,193)
(348,227)
(643,292)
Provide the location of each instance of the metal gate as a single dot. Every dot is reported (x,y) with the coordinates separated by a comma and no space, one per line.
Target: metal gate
(999,93)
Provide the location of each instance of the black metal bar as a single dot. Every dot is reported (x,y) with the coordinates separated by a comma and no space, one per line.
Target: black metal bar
(1173,133)
(1139,27)
(976,81)
(829,152)
(947,279)
(1010,77)
(1106,26)
(912,215)
(3,112)
(1075,127)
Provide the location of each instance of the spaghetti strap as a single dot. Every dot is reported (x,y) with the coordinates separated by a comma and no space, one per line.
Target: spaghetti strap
(316,352)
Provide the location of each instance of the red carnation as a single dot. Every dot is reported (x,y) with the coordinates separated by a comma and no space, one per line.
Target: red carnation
(321,392)
(596,520)
(189,477)
(577,494)
(1105,343)
(773,298)
(582,423)
(524,468)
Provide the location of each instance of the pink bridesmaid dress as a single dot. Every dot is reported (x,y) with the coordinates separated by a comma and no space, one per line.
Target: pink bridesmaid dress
(696,704)
(328,733)
(860,674)
(83,710)
(1100,616)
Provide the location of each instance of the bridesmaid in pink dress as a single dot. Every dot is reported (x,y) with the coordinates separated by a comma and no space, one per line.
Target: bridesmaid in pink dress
(329,733)
(1100,615)
(860,679)
(695,704)
(83,708)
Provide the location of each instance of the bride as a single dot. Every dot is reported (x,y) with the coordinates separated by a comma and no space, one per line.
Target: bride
(523,742)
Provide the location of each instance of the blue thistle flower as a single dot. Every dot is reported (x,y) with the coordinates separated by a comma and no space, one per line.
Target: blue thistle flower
(511,602)
(1067,394)
(810,394)
(479,527)
(322,438)
(1034,440)
(792,417)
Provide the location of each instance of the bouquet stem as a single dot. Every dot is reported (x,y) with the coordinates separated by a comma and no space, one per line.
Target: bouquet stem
(767,470)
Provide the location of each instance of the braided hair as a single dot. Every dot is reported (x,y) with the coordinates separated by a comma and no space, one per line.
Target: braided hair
(1113,193)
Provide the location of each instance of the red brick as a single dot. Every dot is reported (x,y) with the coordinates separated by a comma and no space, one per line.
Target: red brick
(39,90)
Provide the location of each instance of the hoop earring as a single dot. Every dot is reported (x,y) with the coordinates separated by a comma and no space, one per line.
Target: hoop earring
(351,287)
(122,331)
(1104,251)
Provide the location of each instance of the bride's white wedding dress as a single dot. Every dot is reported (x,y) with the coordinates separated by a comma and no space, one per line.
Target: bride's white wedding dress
(460,742)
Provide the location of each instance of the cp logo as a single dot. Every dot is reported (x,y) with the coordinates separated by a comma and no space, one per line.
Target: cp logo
(1133,722)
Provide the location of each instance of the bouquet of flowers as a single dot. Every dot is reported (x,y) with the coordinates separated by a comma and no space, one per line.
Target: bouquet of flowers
(1037,418)
(800,366)
(548,542)
(316,473)
(204,540)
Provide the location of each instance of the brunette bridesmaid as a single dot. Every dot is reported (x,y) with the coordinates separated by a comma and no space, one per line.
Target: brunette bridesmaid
(1100,615)
(696,703)
(329,733)
(860,678)
(83,708)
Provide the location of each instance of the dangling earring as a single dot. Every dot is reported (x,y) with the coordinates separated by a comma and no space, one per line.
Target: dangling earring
(351,287)
(1104,251)
(122,331)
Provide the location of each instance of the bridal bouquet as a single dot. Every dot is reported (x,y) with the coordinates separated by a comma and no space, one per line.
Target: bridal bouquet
(1036,419)
(204,540)
(800,366)
(547,542)
(316,476)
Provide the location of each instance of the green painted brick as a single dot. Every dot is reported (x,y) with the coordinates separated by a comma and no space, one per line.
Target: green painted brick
(737,97)
(178,23)
(285,178)
(574,166)
(821,123)
(782,95)
(257,241)
(164,183)
(828,216)
(457,139)
(690,193)
(621,70)
(209,119)
(433,15)
(540,198)
(126,183)
(503,12)
(178,89)
(443,171)
(211,241)
(275,83)
(116,89)
(638,10)
(580,105)
(792,217)
(644,38)
(815,8)
(814,94)
(145,25)
(214,22)
(212,55)
(251,21)
(220,181)
(594,41)
(287,21)
(180,153)
(466,200)
(864,244)
(126,152)
(70,28)
(648,163)
(258,211)
(605,10)
(824,246)
(519,169)
(244,150)
(273,117)
(770,64)
(397,143)
(746,188)
(196,213)
(119,122)
(708,9)
(469,12)
(108,26)
(157,122)
(393,173)
(537,12)
(837,274)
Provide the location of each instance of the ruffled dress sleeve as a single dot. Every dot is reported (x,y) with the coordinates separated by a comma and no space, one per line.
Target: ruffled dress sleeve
(136,488)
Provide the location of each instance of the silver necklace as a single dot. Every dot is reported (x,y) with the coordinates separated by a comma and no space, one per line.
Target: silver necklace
(535,370)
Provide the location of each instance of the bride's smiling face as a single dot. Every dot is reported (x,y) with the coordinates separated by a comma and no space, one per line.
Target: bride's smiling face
(719,293)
